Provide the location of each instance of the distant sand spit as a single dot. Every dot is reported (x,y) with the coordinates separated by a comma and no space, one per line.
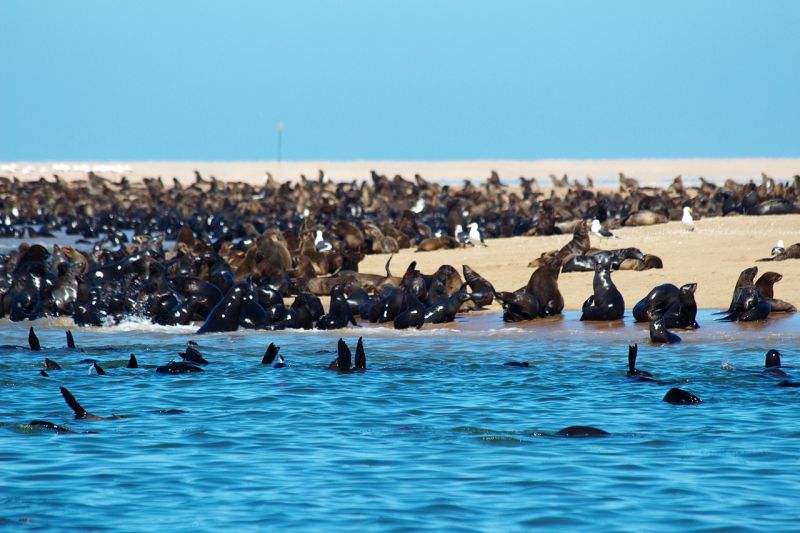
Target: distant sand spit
(603,171)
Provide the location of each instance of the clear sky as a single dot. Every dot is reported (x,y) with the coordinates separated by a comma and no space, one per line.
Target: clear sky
(173,79)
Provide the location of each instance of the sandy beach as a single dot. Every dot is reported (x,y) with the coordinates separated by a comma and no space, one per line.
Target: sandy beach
(713,256)
(603,171)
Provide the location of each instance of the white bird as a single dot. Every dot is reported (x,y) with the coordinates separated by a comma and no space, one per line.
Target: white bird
(460,235)
(600,231)
(688,221)
(475,236)
(419,206)
(779,248)
(321,244)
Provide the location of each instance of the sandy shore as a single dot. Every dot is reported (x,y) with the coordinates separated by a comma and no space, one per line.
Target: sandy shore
(604,171)
(712,255)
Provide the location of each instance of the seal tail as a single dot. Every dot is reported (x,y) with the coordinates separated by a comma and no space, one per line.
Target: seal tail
(33,341)
(132,362)
(361,356)
(633,350)
(269,355)
(344,358)
(70,340)
(73,404)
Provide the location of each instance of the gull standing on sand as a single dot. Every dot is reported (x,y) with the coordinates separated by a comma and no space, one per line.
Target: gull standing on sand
(599,231)
(779,248)
(321,244)
(460,235)
(475,236)
(688,221)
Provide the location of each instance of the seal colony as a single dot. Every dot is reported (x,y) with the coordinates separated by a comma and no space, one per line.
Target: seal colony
(227,255)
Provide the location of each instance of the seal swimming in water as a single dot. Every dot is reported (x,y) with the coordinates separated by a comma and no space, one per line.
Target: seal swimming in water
(582,431)
(677,396)
(772,364)
(132,362)
(606,303)
(33,341)
(80,412)
(659,334)
(192,355)
(49,364)
(178,367)
(344,358)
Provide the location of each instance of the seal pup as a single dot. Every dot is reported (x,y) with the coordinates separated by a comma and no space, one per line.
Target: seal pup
(677,396)
(132,362)
(33,341)
(659,334)
(582,431)
(606,303)
(80,412)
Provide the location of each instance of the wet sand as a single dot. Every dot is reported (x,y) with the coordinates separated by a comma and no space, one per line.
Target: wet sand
(713,256)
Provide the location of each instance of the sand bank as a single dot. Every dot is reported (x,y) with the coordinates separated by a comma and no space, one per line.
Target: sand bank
(712,255)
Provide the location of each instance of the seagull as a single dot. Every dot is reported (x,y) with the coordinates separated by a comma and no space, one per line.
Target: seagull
(779,248)
(688,221)
(419,206)
(600,231)
(321,244)
(460,235)
(475,236)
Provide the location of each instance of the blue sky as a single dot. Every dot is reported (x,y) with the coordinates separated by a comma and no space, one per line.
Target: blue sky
(398,80)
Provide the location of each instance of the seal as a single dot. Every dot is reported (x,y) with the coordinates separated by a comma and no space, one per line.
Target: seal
(132,362)
(192,355)
(748,306)
(633,372)
(80,412)
(414,314)
(543,284)
(178,367)
(765,284)
(70,340)
(225,315)
(519,305)
(659,334)
(344,359)
(49,364)
(33,341)
(50,426)
(97,369)
(677,396)
(746,278)
(606,303)
(582,431)
(270,354)
(772,364)
(482,290)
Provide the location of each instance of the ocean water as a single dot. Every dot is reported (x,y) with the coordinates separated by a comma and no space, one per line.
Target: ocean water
(436,435)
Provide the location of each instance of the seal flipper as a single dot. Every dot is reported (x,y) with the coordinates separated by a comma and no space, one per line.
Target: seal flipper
(33,341)
(633,350)
(73,404)
(43,374)
(361,356)
(281,362)
(70,340)
(269,355)
(132,362)
(49,364)
(344,358)
(97,369)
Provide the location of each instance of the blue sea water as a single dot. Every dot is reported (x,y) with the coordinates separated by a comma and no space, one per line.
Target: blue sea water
(436,435)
